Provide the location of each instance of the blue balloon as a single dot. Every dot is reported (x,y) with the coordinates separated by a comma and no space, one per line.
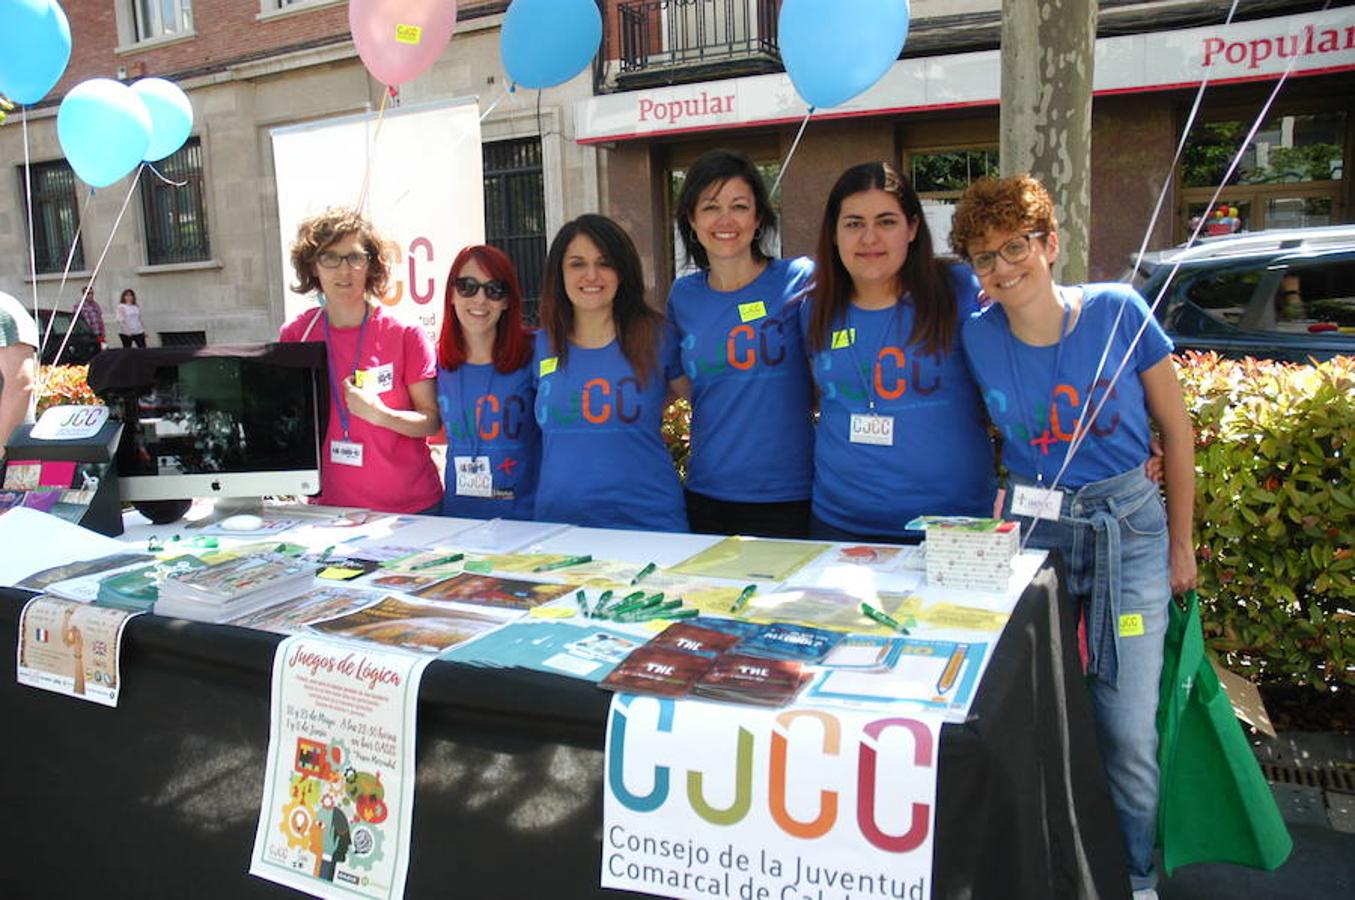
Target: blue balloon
(171,115)
(35,45)
(834,50)
(104,128)
(548,42)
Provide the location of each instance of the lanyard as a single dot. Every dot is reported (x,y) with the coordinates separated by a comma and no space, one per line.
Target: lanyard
(1021,395)
(344,417)
(856,363)
(470,417)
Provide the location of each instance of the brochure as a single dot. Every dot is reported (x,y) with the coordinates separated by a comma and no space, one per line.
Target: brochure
(751,559)
(71,648)
(422,626)
(489,590)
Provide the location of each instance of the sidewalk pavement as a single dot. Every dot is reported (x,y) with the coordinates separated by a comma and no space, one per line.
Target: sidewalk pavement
(1313,778)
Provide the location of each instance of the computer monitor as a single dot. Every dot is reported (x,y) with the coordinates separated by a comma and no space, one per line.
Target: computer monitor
(241,421)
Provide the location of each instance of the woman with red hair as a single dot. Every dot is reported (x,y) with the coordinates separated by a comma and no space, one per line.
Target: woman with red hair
(485,392)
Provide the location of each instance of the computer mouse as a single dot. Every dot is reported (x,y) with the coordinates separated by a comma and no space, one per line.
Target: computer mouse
(242,522)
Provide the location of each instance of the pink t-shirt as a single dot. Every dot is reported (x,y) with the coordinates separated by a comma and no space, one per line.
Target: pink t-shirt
(397,472)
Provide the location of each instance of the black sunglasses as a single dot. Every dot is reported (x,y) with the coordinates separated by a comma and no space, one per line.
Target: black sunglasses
(494,290)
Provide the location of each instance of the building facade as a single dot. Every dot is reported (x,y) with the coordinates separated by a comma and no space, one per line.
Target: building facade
(682,77)
(198,242)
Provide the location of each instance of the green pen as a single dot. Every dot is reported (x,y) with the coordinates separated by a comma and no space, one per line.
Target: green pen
(637,601)
(580,599)
(603,600)
(681,614)
(883,618)
(743,598)
(439,561)
(647,570)
(324,554)
(564,563)
(662,611)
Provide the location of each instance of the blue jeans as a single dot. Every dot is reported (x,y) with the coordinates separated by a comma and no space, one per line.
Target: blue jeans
(1124,598)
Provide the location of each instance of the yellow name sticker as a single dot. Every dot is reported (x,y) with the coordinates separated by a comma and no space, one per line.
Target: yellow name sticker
(548,365)
(360,377)
(408,34)
(338,573)
(843,338)
(750,311)
(1131,625)
(550,612)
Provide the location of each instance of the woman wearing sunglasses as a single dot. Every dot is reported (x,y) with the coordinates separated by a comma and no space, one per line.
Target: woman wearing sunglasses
(485,391)
(383,401)
(742,354)
(902,431)
(603,366)
(1048,357)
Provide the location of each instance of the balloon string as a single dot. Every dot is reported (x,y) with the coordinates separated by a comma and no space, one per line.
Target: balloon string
(28,210)
(156,172)
(371,152)
(497,100)
(785,164)
(66,267)
(131,189)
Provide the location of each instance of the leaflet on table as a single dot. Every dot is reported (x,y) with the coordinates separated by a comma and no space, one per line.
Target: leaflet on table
(572,647)
(503,535)
(315,605)
(751,559)
(492,591)
(47,541)
(338,791)
(709,799)
(417,625)
(92,587)
(68,571)
(841,611)
(876,671)
(71,648)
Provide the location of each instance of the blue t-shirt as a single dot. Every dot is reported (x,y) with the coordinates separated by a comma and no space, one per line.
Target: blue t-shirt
(1036,407)
(941,460)
(603,462)
(488,413)
(752,437)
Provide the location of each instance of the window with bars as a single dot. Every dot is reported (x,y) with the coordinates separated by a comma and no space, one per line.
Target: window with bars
(174,208)
(515,211)
(162,18)
(56,216)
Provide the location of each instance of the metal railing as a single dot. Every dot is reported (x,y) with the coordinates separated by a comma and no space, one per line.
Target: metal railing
(669,34)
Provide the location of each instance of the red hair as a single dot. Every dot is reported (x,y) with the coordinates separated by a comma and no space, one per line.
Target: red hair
(512,341)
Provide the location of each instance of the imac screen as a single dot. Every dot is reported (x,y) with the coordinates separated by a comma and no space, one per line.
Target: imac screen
(221,426)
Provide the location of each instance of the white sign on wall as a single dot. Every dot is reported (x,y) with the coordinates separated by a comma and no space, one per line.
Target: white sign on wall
(425,193)
(1263,49)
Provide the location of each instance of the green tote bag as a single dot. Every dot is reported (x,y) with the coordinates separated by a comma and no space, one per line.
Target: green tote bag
(1214,804)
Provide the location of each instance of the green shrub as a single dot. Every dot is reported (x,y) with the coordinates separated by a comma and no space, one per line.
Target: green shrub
(1275,515)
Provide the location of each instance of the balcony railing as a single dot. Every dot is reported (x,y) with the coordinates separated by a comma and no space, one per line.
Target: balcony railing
(659,36)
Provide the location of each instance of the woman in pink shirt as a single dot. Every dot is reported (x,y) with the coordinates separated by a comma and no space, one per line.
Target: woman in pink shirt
(382,371)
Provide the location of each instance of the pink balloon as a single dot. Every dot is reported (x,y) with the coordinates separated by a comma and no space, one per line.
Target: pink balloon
(398,39)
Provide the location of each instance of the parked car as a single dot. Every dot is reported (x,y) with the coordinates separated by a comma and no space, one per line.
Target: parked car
(1287,294)
(80,349)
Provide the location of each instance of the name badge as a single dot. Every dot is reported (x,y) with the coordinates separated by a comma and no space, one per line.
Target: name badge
(871,429)
(1037,502)
(843,338)
(473,478)
(380,377)
(750,311)
(547,366)
(345,453)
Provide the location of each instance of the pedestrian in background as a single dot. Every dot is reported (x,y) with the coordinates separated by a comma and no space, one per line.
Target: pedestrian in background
(130,329)
(92,314)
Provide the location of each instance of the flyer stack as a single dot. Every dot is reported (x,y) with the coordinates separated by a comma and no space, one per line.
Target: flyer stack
(239,585)
(969,553)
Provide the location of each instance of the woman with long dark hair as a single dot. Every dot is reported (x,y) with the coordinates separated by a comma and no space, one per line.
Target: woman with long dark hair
(751,466)
(485,391)
(603,363)
(902,431)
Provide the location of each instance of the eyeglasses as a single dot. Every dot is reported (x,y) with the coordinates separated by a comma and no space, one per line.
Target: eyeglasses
(1014,251)
(494,290)
(331,260)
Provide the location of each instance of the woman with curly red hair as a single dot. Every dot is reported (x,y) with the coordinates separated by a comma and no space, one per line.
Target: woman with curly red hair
(485,391)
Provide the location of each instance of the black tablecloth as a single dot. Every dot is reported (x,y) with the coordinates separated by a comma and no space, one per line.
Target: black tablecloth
(159,797)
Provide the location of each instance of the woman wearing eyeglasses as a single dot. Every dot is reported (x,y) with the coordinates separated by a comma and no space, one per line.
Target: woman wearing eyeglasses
(603,367)
(751,464)
(902,431)
(485,391)
(383,399)
(1058,361)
